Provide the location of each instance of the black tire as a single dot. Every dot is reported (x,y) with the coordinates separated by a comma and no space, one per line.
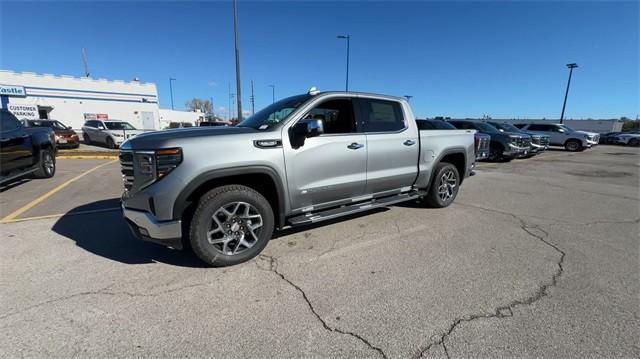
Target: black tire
(573,146)
(202,223)
(496,153)
(634,142)
(46,165)
(435,198)
(110,143)
(86,139)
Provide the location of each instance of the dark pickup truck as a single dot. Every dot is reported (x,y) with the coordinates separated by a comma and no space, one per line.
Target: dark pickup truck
(25,150)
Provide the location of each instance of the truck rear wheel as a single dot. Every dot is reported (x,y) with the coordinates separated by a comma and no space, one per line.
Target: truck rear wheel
(444,188)
(231,225)
(46,165)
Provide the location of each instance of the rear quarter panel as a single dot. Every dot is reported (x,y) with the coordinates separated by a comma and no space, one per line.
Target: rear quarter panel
(435,144)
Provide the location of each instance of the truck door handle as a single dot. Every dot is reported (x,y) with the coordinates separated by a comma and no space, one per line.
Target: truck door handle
(355,146)
(409,143)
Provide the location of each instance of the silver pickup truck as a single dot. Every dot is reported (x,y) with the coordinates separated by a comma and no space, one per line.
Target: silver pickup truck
(301,160)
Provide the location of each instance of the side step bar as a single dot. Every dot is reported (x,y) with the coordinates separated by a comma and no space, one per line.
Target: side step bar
(17,175)
(314,217)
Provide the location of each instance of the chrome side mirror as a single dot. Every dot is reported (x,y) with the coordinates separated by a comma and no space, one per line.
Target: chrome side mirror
(304,129)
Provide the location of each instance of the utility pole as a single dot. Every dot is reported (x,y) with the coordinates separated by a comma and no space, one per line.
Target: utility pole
(213,108)
(273,93)
(86,64)
(408,97)
(253,100)
(564,104)
(235,32)
(348,38)
(171,90)
(229,108)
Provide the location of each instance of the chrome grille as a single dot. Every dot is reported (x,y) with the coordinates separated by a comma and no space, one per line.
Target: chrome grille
(126,167)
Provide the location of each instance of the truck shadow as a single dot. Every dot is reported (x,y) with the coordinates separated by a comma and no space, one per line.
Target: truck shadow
(14,183)
(99,228)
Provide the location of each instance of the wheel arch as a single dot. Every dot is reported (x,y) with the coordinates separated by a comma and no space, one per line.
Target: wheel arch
(456,154)
(263,179)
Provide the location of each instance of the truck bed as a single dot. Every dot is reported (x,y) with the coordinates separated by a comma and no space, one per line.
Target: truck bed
(441,142)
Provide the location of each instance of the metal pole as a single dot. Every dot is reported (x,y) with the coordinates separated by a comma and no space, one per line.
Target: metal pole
(213,108)
(348,38)
(171,90)
(253,100)
(347,83)
(564,104)
(86,64)
(229,108)
(273,93)
(235,32)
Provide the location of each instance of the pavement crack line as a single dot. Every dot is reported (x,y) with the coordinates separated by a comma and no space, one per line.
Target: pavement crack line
(504,311)
(105,292)
(273,267)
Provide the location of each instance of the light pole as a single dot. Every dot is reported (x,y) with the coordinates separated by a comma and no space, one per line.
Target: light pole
(408,97)
(273,93)
(171,90)
(348,37)
(564,104)
(235,33)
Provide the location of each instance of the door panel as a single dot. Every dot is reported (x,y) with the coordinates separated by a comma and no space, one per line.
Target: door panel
(393,149)
(331,167)
(325,169)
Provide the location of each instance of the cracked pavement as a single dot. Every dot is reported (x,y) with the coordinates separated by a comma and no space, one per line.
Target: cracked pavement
(536,258)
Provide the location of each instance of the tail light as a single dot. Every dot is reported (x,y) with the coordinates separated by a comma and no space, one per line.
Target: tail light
(476,140)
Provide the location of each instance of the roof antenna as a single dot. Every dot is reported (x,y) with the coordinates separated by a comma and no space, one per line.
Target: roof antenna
(86,65)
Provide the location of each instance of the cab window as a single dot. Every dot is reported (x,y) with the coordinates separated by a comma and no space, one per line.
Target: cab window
(383,116)
(8,121)
(336,115)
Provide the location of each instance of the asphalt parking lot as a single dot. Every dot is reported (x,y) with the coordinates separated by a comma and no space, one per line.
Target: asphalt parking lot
(536,258)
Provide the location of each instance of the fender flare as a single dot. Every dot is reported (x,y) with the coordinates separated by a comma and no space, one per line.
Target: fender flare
(448,151)
(181,203)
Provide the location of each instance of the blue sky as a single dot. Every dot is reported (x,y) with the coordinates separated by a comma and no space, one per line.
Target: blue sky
(463,59)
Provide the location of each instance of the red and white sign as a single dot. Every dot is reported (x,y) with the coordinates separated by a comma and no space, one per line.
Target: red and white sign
(102,116)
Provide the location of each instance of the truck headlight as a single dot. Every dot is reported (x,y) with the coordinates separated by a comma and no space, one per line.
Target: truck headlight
(151,166)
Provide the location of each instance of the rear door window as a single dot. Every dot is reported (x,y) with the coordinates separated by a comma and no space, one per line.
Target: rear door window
(8,121)
(383,116)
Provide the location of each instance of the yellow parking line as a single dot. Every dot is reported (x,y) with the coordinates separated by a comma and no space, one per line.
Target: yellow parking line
(60,215)
(38,200)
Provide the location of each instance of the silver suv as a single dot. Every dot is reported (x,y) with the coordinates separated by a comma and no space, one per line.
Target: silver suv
(301,160)
(563,135)
(110,133)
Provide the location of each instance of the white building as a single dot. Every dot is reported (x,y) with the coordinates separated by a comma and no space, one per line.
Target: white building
(72,100)
(169,116)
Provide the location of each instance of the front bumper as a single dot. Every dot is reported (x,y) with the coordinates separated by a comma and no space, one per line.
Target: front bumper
(516,152)
(145,227)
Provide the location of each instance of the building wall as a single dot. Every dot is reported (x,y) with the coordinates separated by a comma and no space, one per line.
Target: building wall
(70,98)
(167,116)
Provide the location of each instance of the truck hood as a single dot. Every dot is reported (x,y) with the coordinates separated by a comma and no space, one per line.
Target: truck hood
(158,139)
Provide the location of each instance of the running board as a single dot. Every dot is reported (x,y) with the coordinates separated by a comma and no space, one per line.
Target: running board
(314,217)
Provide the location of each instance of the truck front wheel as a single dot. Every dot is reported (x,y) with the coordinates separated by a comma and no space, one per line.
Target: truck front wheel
(231,225)
(444,188)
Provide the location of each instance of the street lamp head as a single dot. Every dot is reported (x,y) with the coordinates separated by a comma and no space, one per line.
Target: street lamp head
(572,66)
(343,36)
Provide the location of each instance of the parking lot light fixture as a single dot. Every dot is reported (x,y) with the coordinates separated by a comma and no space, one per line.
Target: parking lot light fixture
(348,38)
(564,104)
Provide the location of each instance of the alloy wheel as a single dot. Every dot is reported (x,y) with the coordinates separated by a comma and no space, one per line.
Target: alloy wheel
(48,163)
(235,227)
(447,185)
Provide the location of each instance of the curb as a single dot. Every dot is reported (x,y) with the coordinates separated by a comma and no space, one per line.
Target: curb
(87,157)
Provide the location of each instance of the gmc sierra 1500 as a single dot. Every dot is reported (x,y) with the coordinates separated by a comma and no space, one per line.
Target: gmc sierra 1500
(301,160)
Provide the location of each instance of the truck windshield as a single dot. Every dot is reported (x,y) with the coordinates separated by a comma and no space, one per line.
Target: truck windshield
(506,127)
(275,113)
(119,126)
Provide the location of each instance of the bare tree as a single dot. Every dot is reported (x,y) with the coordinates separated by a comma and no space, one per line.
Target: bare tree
(204,106)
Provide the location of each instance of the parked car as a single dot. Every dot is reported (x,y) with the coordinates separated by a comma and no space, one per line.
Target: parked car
(65,136)
(504,146)
(482,140)
(563,135)
(539,142)
(628,139)
(607,138)
(111,133)
(301,160)
(25,150)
